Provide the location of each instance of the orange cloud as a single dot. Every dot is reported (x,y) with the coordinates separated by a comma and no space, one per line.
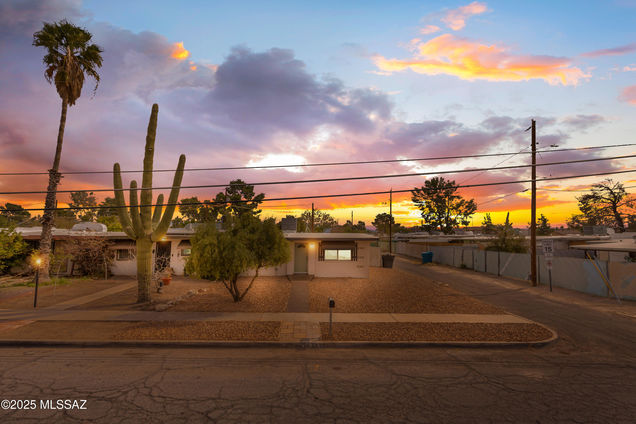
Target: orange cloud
(456,19)
(628,95)
(179,52)
(429,29)
(470,60)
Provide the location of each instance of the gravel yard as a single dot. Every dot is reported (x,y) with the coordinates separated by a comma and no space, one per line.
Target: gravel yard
(268,294)
(411,331)
(201,330)
(392,291)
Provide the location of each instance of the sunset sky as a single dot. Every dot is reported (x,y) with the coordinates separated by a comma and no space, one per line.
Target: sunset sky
(250,83)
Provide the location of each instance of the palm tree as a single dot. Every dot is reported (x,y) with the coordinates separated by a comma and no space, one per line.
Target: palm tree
(69,56)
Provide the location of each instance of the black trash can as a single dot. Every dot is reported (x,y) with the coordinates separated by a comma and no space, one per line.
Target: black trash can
(387,261)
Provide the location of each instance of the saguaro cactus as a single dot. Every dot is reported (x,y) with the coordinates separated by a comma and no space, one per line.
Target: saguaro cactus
(141,224)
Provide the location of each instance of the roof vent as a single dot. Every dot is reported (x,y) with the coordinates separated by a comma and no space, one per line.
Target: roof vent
(93,227)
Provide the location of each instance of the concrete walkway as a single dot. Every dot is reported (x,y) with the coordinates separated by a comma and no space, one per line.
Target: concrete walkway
(299,297)
(71,303)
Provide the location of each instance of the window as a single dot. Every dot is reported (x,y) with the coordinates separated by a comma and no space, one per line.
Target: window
(338,251)
(124,254)
(186,252)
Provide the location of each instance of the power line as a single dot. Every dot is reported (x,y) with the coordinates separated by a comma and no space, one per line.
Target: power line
(322,180)
(497,164)
(322,196)
(306,165)
(502,197)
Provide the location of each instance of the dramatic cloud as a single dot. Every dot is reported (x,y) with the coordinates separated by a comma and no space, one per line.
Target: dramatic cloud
(470,60)
(455,19)
(628,94)
(616,51)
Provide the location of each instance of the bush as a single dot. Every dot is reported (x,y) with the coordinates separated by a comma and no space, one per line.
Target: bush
(91,255)
(13,249)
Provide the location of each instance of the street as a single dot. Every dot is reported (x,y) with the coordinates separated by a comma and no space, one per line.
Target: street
(587,376)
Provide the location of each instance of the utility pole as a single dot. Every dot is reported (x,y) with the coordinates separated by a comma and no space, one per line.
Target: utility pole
(352,218)
(533,209)
(312,217)
(391,221)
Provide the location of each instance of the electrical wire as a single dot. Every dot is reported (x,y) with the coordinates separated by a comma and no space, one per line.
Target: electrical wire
(306,165)
(322,196)
(370,177)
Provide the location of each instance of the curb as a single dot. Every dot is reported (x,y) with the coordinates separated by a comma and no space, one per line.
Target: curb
(272,344)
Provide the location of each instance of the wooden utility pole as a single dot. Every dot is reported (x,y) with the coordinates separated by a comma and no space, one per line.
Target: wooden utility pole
(533,209)
(391,221)
(312,217)
(352,218)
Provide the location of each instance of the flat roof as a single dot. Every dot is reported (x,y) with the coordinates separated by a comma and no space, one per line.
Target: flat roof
(330,236)
(612,246)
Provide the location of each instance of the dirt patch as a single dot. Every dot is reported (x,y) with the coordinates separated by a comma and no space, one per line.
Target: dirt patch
(202,330)
(392,291)
(411,331)
(268,294)
(22,297)
(67,330)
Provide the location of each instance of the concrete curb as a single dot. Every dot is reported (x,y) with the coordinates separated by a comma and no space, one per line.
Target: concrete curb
(273,344)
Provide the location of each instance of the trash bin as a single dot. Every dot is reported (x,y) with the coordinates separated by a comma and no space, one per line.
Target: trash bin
(387,261)
(427,257)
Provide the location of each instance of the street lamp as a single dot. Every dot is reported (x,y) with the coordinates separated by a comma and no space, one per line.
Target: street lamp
(38,262)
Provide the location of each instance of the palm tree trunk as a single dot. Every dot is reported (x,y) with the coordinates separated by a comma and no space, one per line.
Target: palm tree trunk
(49,204)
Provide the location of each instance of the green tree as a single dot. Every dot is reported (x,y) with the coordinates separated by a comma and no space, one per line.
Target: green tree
(192,210)
(238,199)
(12,249)
(69,57)
(442,209)
(543,226)
(607,204)
(382,222)
(12,214)
(107,214)
(487,227)
(322,221)
(508,239)
(141,223)
(84,200)
(246,243)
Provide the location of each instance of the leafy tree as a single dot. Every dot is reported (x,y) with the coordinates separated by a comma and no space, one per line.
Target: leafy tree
(543,226)
(238,199)
(442,209)
(360,227)
(382,222)
(108,207)
(246,243)
(64,218)
(192,211)
(84,199)
(607,204)
(507,239)
(322,221)
(69,57)
(487,227)
(12,249)
(12,214)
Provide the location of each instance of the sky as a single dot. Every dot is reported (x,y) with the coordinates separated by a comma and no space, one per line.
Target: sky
(286,82)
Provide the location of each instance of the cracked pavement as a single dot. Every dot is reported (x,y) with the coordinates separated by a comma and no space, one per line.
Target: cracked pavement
(587,376)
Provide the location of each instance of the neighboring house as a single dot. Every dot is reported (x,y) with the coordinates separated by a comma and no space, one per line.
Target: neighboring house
(312,254)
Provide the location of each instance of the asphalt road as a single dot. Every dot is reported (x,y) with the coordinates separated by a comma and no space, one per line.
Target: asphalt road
(588,376)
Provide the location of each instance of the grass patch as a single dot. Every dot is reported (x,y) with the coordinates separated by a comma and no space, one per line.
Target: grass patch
(58,281)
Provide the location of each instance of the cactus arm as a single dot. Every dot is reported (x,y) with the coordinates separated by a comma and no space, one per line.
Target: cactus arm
(134,210)
(124,218)
(146,183)
(163,225)
(156,216)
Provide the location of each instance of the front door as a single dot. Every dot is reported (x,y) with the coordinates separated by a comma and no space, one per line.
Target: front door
(300,258)
(162,255)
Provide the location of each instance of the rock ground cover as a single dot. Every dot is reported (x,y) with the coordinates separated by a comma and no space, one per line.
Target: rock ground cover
(411,331)
(268,294)
(392,291)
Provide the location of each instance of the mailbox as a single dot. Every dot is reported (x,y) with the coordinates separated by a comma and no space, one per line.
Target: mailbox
(332,303)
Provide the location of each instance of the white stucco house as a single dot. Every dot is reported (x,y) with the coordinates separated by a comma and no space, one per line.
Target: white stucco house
(312,254)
